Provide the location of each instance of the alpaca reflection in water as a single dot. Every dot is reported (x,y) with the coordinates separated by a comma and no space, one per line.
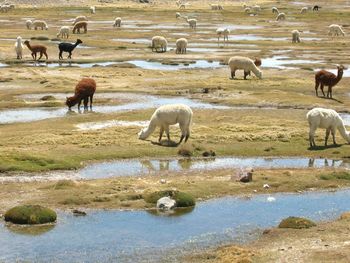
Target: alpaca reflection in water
(331,163)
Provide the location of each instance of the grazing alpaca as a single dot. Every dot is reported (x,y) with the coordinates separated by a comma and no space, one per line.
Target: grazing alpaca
(192,22)
(64,32)
(84,90)
(327,119)
(326,78)
(19,47)
(169,115)
(243,63)
(36,49)
(79,25)
(68,47)
(117,22)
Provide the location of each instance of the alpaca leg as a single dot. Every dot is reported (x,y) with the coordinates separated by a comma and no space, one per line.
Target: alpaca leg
(233,73)
(161,133)
(312,137)
(79,104)
(322,86)
(41,55)
(328,130)
(86,100)
(60,55)
(333,130)
(70,55)
(91,97)
(167,132)
(329,92)
(187,134)
(47,57)
(34,57)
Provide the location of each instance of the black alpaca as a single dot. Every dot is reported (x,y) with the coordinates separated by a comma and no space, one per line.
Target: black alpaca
(68,47)
(315,8)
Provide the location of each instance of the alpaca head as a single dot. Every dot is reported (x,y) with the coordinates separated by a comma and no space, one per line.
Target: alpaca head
(70,102)
(259,74)
(19,39)
(340,70)
(257,62)
(142,134)
(26,42)
(79,41)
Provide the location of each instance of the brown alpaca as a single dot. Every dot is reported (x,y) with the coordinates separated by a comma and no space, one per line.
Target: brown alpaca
(326,78)
(36,49)
(257,63)
(84,90)
(79,25)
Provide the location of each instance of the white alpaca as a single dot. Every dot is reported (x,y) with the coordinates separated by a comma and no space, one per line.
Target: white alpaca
(243,63)
(304,10)
(93,9)
(295,36)
(281,16)
(159,42)
(19,47)
(216,7)
(64,32)
(177,15)
(247,10)
(181,46)
(29,24)
(327,119)
(117,22)
(78,19)
(335,30)
(168,115)
(192,22)
(40,24)
(275,10)
(223,32)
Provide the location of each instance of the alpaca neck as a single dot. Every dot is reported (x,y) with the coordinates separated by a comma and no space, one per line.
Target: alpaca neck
(343,132)
(75,45)
(150,129)
(339,76)
(28,45)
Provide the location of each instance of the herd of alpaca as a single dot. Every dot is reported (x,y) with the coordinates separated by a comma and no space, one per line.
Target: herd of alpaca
(167,115)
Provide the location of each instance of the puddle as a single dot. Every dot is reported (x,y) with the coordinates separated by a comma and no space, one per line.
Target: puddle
(2,65)
(153,65)
(159,66)
(141,236)
(249,37)
(107,124)
(143,102)
(133,40)
(280,62)
(135,167)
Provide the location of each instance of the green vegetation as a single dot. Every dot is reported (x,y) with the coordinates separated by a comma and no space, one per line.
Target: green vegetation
(296,223)
(343,175)
(30,214)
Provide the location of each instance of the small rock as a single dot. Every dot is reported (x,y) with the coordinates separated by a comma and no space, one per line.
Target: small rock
(266,231)
(166,203)
(296,223)
(266,186)
(78,213)
(162,181)
(255,191)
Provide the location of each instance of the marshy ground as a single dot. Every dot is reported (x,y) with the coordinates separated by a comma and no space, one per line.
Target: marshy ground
(238,117)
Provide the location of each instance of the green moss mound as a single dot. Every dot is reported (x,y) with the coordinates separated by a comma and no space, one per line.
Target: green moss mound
(182,199)
(296,223)
(30,214)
